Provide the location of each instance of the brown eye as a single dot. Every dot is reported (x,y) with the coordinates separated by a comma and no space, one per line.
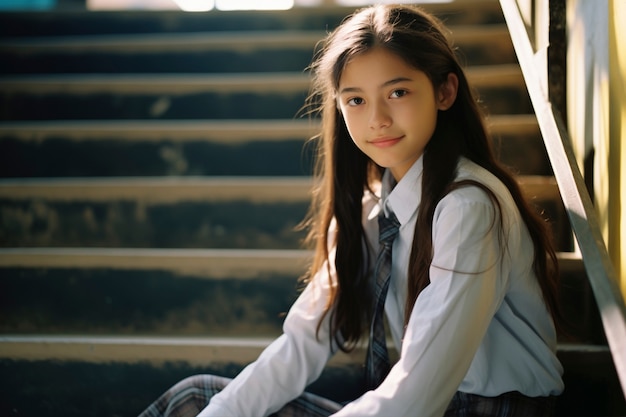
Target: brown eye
(398,93)
(355,101)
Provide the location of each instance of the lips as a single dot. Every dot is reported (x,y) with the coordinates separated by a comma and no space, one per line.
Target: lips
(385,141)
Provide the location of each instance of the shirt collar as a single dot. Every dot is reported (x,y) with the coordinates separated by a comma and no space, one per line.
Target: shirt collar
(403,199)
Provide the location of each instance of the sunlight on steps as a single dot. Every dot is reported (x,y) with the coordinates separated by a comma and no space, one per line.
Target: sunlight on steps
(153,167)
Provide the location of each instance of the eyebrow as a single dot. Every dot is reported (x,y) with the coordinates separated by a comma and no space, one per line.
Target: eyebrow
(383,85)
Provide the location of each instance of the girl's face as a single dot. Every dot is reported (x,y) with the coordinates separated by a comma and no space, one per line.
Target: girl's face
(390,108)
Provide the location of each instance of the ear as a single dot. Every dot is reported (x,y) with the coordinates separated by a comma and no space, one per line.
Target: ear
(447,92)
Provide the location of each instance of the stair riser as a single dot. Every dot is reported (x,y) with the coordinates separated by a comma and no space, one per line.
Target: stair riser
(236,224)
(166,105)
(257,60)
(185,62)
(163,302)
(50,388)
(151,106)
(185,224)
(145,302)
(68,23)
(118,156)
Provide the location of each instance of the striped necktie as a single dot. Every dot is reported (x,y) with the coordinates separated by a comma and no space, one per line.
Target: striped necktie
(377,362)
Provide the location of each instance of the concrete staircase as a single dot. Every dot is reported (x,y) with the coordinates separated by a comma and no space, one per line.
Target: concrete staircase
(153,168)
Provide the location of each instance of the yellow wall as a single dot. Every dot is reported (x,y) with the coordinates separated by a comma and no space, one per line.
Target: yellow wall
(596,104)
(617,134)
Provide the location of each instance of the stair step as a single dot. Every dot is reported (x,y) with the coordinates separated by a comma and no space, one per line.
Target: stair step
(208,148)
(279,82)
(203,96)
(203,263)
(126,291)
(118,157)
(47,219)
(203,105)
(103,349)
(225,131)
(256,51)
(287,82)
(66,387)
(260,59)
(194,212)
(79,389)
(147,302)
(192,350)
(159,190)
(241,40)
(239,224)
(175,189)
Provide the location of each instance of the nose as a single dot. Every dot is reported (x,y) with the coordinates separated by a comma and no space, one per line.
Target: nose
(379,116)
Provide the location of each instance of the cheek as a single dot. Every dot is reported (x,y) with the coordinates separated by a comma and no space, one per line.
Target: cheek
(425,116)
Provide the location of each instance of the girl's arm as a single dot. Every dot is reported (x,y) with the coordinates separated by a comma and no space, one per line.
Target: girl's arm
(287,366)
(451,315)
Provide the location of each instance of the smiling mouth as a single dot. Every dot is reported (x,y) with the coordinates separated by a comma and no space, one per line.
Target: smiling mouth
(385,142)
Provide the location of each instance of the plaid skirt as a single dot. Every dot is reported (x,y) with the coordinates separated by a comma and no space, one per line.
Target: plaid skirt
(191,395)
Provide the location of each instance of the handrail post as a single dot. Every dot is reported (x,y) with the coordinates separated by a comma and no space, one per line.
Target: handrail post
(557,57)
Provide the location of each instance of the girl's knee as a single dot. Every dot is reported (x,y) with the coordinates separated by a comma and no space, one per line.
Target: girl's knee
(190,395)
(202,382)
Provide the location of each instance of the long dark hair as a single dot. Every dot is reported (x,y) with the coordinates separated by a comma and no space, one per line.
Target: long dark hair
(343,173)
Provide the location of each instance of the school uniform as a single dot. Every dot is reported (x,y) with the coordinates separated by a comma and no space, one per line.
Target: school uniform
(479,330)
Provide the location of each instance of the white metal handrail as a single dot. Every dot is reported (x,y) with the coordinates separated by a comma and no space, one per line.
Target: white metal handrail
(576,199)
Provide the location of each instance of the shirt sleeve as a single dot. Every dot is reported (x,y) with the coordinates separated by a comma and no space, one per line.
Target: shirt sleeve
(450,317)
(287,365)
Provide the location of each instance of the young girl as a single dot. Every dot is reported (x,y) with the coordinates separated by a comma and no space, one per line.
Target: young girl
(470,290)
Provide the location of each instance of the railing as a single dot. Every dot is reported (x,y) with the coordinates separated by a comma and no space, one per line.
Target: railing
(576,199)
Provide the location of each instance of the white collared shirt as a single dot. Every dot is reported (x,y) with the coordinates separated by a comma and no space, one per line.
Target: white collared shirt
(480,327)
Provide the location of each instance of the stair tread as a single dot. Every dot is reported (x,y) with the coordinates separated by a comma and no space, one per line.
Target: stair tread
(132,349)
(150,348)
(190,188)
(226,131)
(197,341)
(156,83)
(240,40)
(171,258)
(199,350)
(205,263)
(160,189)
(179,83)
